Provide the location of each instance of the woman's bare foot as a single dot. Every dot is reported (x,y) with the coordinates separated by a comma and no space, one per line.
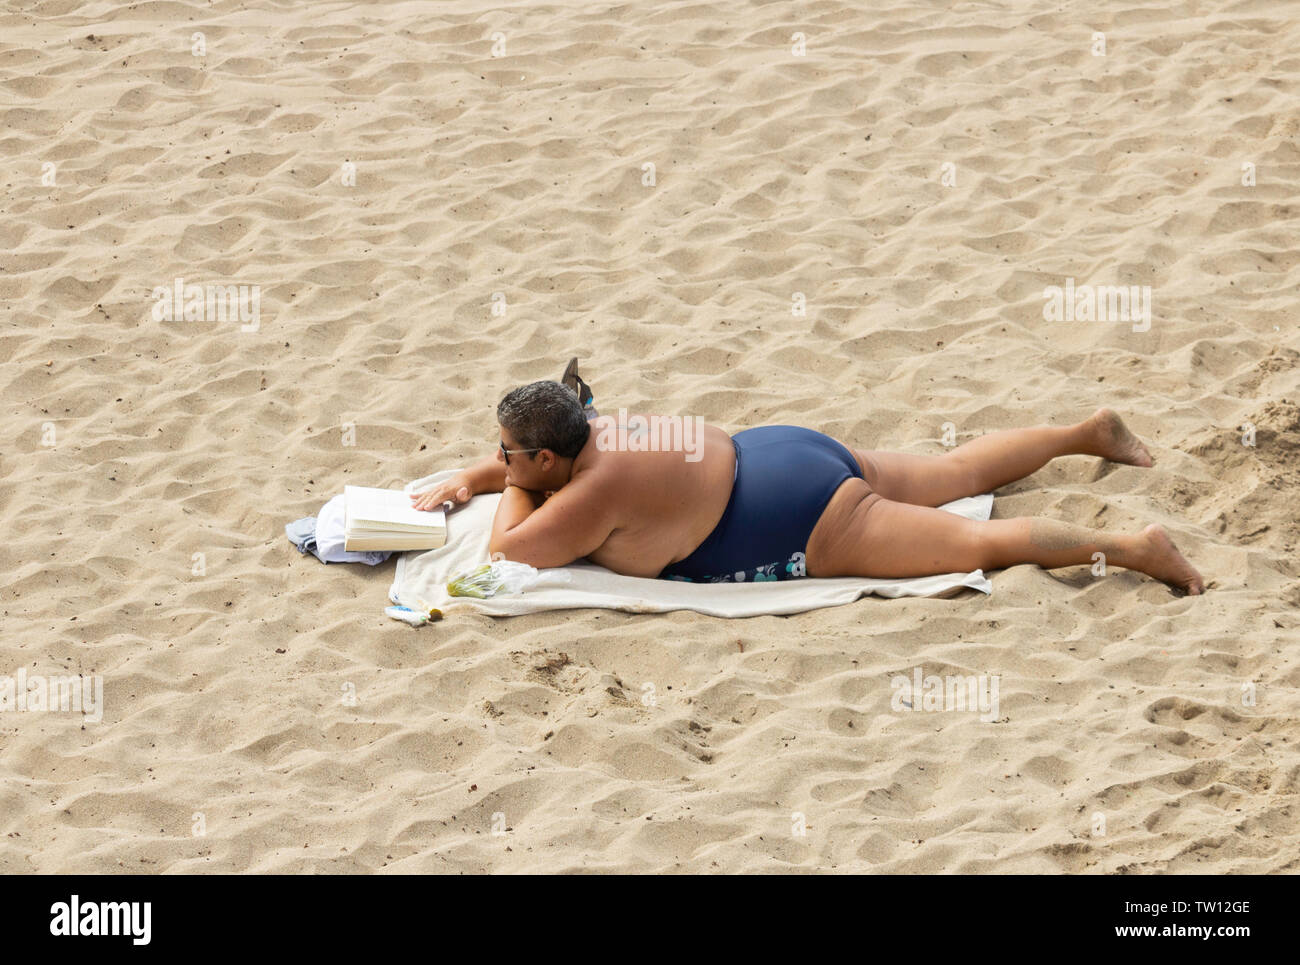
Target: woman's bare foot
(1157,556)
(1115,442)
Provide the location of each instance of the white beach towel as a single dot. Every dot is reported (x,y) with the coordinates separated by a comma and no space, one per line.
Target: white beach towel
(423,576)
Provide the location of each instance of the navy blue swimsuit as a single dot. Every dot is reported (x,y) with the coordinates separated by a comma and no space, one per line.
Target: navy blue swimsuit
(785,476)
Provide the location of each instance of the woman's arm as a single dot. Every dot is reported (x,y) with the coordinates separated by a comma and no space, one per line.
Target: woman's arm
(543,531)
(488,475)
(516,505)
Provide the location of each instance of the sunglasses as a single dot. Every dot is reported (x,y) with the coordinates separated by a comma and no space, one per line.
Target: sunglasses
(507,453)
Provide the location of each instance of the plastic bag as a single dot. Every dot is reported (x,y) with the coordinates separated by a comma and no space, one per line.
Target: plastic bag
(499,576)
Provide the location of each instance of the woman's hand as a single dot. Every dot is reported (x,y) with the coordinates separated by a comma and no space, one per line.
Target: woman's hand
(457,490)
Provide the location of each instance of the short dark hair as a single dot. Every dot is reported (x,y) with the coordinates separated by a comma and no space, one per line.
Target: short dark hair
(545,415)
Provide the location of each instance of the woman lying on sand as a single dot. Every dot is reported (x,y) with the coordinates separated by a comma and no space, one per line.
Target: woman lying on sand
(780,502)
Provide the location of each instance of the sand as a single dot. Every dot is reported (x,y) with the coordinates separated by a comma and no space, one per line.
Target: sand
(261,714)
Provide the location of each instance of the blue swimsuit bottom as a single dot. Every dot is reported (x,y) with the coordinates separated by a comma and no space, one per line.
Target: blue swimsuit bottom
(785,476)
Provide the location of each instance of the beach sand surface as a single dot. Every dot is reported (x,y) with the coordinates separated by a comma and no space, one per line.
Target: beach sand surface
(913,182)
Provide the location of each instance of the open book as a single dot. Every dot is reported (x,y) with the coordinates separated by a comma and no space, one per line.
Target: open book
(382,519)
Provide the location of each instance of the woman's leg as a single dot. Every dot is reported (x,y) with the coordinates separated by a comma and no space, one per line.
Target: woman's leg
(996,459)
(863,534)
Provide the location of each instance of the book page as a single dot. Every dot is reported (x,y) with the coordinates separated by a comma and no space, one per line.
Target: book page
(379,509)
